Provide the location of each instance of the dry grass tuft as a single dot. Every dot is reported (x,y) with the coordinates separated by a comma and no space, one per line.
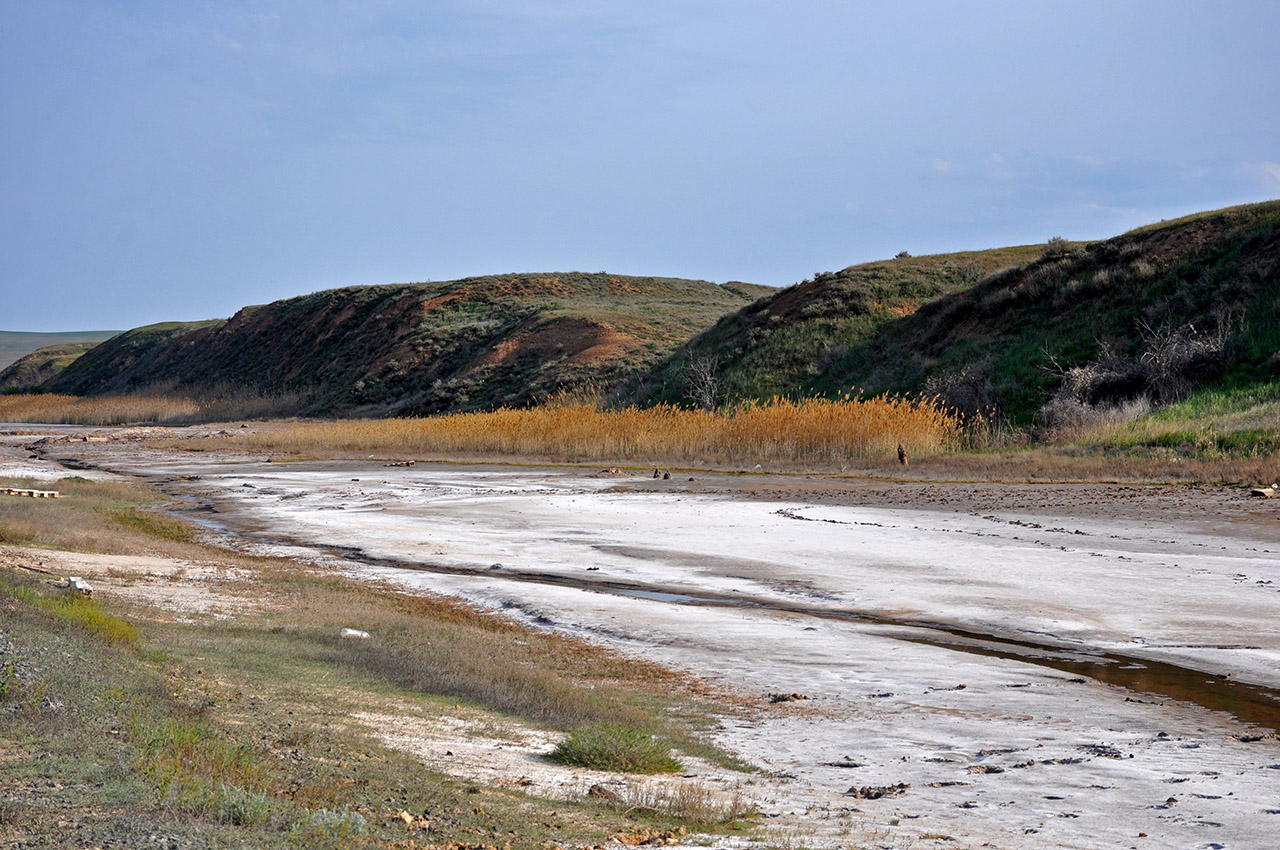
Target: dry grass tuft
(691,801)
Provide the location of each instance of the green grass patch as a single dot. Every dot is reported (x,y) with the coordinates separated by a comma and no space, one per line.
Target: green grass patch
(80,612)
(161,526)
(617,747)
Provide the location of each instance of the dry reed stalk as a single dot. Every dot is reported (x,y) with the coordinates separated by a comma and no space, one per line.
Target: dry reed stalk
(109,410)
(821,431)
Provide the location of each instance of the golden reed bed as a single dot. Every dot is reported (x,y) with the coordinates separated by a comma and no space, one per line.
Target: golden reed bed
(819,431)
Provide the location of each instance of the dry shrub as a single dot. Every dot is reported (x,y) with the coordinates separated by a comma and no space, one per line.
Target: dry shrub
(810,431)
(1069,419)
(691,801)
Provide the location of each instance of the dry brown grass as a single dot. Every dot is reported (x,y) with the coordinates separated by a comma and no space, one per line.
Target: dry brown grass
(1091,464)
(819,432)
(141,409)
(113,410)
(115,517)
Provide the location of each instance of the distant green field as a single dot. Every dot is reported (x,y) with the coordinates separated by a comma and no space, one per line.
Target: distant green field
(14,345)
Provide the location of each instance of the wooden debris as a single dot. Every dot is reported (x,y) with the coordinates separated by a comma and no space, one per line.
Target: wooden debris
(1263,492)
(32,494)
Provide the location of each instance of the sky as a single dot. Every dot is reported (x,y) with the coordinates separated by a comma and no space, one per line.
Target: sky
(179,160)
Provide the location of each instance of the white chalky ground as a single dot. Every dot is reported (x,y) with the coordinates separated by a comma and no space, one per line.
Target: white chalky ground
(1022,756)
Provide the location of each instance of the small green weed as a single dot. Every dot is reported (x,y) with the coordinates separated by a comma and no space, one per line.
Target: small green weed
(616,747)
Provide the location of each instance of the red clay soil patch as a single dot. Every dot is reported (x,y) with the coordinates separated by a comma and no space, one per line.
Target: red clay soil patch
(581,341)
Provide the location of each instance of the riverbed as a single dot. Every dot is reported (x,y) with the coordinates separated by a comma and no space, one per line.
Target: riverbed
(1090,666)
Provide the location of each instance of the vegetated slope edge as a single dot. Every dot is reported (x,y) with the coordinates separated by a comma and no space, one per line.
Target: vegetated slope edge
(418,348)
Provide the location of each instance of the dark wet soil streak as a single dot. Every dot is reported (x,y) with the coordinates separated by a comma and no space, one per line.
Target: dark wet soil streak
(1148,680)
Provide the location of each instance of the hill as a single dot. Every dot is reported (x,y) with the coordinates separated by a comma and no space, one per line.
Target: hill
(783,344)
(40,367)
(14,345)
(418,348)
(1029,333)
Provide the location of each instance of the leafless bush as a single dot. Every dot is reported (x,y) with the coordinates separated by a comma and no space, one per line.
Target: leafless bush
(1109,379)
(968,391)
(1175,358)
(1064,418)
(702,380)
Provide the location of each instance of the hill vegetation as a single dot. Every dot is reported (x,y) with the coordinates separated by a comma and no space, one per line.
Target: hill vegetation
(1053,336)
(14,345)
(1056,342)
(34,370)
(417,348)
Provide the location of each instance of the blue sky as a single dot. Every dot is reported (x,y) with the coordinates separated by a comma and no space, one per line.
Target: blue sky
(175,160)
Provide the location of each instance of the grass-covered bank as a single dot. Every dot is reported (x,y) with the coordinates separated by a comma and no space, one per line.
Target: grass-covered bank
(124,721)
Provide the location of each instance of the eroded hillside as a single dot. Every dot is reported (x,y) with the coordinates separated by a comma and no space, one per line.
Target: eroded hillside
(418,348)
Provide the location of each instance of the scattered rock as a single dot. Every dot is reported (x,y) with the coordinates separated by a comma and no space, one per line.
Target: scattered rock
(600,792)
(875,792)
(666,476)
(79,587)
(355,633)
(648,836)
(985,768)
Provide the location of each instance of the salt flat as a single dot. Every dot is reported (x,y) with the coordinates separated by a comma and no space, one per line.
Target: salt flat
(854,606)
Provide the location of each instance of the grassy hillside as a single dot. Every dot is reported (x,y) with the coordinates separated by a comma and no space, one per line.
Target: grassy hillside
(40,367)
(785,343)
(14,345)
(1034,334)
(419,348)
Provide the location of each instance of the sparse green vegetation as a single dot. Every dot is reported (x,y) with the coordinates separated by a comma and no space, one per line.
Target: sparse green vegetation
(617,747)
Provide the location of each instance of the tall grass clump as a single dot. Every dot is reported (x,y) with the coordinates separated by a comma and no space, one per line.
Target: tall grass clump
(815,431)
